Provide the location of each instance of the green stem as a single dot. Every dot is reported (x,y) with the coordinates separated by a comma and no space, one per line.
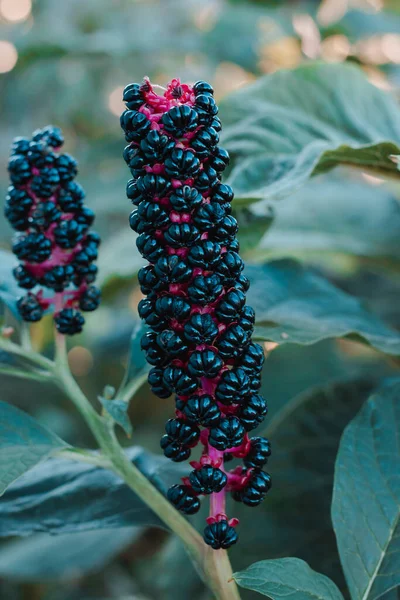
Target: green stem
(213,566)
(35,357)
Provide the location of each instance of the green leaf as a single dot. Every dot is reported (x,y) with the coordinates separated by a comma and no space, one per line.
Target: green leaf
(44,557)
(366,498)
(23,444)
(292,124)
(9,290)
(285,577)
(336,214)
(62,496)
(118,410)
(305,434)
(252,229)
(296,305)
(119,258)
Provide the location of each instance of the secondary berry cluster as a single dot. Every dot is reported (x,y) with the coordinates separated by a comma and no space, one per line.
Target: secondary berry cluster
(54,243)
(199,338)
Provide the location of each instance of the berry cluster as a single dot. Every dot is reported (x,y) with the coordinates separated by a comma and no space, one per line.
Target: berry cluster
(200,328)
(56,249)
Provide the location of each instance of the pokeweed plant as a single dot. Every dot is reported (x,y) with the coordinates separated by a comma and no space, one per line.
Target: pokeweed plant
(199,341)
(199,345)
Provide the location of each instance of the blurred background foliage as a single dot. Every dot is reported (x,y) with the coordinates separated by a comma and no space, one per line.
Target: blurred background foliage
(66,63)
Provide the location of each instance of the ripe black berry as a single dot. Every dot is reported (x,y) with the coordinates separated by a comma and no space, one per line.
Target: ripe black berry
(233,386)
(204,363)
(220,535)
(207,480)
(200,329)
(200,409)
(69,321)
(260,451)
(227,434)
(253,411)
(29,308)
(180,120)
(185,199)
(255,490)
(183,498)
(35,248)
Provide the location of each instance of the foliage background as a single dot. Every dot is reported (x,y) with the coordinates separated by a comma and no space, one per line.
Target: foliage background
(74,58)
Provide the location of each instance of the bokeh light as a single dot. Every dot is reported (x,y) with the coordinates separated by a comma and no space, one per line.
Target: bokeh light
(8,56)
(115,103)
(80,361)
(15,10)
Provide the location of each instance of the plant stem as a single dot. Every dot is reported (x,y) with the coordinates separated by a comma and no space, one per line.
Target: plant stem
(213,566)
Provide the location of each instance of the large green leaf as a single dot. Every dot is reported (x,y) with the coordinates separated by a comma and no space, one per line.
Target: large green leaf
(44,557)
(334,213)
(366,499)
(62,496)
(285,577)
(292,124)
(296,305)
(23,444)
(295,518)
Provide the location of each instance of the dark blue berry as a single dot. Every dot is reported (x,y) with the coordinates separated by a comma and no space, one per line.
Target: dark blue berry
(182,164)
(220,159)
(148,280)
(256,489)
(156,146)
(206,108)
(183,498)
(220,535)
(44,215)
(51,135)
(204,363)
(151,216)
(205,141)
(208,216)
(242,283)
(232,341)
(200,409)
(30,308)
(172,269)
(230,266)
(207,480)
(233,386)
(45,184)
(226,230)
(205,254)
(58,278)
(157,383)
(70,197)
(247,319)
(222,193)
(173,307)
(67,234)
(180,120)
(200,329)
(252,359)
(206,179)
(229,433)
(180,382)
(135,125)
(202,87)
(20,145)
(155,355)
(34,247)
(179,438)
(24,277)
(185,199)
(19,169)
(149,247)
(205,289)
(171,343)
(69,321)
(179,235)
(83,273)
(260,451)
(67,167)
(85,217)
(253,411)
(230,306)
(132,96)
(90,299)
